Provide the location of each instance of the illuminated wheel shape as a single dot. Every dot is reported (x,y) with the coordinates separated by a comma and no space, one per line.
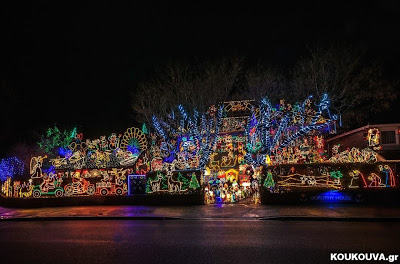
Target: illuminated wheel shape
(104,191)
(69,190)
(119,191)
(91,190)
(58,193)
(133,138)
(36,193)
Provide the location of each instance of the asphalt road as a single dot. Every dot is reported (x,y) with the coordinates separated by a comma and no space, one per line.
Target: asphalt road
(191,241)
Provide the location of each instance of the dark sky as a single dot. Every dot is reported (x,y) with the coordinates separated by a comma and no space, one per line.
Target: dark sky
(71,64)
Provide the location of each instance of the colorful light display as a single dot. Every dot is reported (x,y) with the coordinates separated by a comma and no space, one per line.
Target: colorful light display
(112,152)
(310,181)
(173,182)
(373,138)
(10,167)
(55,139)
(353,155)
(184,141)
(79,182)
(277,133)
(230,152)
(356,176)
(330,177)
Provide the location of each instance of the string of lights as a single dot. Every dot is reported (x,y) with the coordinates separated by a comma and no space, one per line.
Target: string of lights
(10,167)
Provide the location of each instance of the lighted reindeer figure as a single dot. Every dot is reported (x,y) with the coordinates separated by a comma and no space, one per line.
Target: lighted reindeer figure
(389,175)
(173,186)
(155,185)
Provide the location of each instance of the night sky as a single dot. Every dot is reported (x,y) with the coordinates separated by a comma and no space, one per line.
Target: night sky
(72,65)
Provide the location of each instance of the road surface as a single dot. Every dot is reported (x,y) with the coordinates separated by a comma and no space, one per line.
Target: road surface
(191,241)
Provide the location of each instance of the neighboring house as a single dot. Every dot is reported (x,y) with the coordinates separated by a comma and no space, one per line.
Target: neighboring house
(383,138)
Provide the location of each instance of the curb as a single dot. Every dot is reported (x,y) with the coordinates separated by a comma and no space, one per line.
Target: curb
(163,218)
(79,218)
(343,219)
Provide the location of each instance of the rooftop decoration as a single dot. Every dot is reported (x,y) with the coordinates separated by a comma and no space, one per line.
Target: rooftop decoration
(353,155)
(106,152)
(185,141)
(270,132)
(55,141)
(373,138)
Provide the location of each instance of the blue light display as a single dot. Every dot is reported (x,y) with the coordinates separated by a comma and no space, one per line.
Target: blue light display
(331,196)
(276,129)
(10,167)
(51,169)
(64,152)
(158,128)
(133,149)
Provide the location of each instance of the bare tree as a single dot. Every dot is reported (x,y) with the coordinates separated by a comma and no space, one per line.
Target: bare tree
(357,89)
(194,87)
(264,80)
(218,78)
(24,152)
(159,95)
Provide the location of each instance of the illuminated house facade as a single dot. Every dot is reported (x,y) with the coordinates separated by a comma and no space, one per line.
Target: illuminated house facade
(383,138)
(235,151)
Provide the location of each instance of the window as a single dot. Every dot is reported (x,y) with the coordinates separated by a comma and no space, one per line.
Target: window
(388,137)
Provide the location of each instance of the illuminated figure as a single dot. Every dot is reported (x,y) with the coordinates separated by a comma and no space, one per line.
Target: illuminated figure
(390,180)
(213,164)
(113,141)
(376,181)
(155,185)
(36,166)
(17,188)
(29,189)
(373,138)
(173,186)
(48,183)
(355,174)
(156,164)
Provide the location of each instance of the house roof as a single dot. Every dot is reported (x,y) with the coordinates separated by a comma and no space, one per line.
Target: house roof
(361,129)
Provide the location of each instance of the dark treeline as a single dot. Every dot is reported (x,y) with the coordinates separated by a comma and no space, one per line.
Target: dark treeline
(356,84)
